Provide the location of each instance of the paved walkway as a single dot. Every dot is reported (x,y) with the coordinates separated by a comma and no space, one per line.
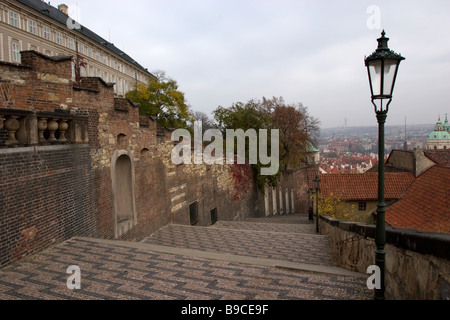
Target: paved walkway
(275,258)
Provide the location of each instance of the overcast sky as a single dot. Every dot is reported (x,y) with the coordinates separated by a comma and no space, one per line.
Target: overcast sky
(225,51)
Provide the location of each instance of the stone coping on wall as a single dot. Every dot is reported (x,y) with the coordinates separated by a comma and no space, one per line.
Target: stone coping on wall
(436,244)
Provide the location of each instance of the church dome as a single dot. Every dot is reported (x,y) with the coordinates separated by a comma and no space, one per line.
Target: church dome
(439,135)
(440,132)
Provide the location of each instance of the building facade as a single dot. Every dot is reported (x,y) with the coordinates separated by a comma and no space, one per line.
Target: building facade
(36,25)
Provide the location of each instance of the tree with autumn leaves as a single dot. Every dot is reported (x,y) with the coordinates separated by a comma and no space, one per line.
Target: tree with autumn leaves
(162,98)
(296,128)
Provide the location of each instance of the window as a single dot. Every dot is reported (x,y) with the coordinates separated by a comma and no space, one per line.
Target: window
(193,213)
(13,19)
(70,43)
(59,38)
(89,52)
(81,48)
(119,84)
(32,27)
(15,52)
(362,206)
(47,34)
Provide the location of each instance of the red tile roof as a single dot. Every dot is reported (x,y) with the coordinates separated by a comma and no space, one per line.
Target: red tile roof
(364,186)
(441,157)
(425,205)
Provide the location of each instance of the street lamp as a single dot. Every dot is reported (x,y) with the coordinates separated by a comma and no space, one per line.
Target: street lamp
(317,187)
(382,67)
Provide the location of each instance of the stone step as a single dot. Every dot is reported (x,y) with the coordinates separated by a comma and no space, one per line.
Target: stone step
(281,264)
(296,247)
(288,218)
(259,226)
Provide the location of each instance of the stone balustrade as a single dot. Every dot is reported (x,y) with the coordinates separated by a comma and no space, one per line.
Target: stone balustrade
(19,128)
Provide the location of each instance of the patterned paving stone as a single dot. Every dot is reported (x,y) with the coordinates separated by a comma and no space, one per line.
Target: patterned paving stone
(294,247)
(132,271)
(111,271)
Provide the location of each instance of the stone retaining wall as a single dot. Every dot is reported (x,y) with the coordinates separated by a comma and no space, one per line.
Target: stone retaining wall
(417,263)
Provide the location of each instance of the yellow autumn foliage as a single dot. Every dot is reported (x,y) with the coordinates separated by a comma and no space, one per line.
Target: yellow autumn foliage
(333,206)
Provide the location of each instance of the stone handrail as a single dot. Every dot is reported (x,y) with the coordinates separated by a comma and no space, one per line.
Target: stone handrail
(19,128)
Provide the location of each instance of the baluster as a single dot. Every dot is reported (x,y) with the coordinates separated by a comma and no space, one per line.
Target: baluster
(52,126)
(63,126)
(42,126)
(12,125)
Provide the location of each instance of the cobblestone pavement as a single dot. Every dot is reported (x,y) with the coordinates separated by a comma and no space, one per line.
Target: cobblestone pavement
(178,263)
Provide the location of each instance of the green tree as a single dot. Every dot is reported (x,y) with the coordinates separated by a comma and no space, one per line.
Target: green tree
(243,116)
(162,98)
(296,127)
(247,116)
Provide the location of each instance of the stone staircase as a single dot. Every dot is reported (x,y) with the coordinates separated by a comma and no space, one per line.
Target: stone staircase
(287,241)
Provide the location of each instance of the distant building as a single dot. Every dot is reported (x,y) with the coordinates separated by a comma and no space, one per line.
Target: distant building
(359,192)
(36,25)
(440,137)
(312,154)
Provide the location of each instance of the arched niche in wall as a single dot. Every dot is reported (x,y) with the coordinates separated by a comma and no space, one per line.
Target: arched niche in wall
(145,157)
(122,141)
(123,191)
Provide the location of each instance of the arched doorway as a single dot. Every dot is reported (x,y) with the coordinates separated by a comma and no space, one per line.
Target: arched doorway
(123,193)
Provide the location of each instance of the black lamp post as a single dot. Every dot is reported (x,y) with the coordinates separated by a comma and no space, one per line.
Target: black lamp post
(382,67)
(310,205)
(317,187)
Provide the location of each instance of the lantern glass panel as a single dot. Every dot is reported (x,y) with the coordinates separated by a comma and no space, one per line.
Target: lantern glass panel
(375,77)
(390,69)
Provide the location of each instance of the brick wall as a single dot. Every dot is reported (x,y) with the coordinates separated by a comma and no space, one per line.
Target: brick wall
(45,198)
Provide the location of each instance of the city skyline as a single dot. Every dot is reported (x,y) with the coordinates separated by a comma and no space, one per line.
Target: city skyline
(313,53)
